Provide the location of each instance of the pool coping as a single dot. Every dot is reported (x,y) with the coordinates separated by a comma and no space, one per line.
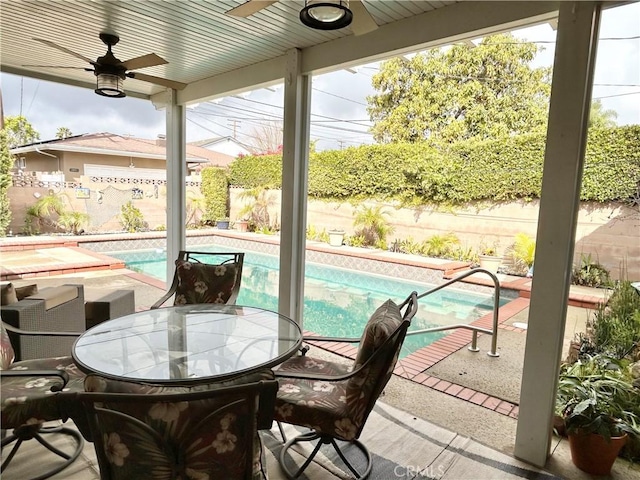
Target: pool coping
(444,269)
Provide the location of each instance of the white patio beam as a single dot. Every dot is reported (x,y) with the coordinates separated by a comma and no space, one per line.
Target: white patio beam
(295,166)
(571,86)
(176,126)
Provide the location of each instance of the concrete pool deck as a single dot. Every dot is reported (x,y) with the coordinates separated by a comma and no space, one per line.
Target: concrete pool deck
(470,393)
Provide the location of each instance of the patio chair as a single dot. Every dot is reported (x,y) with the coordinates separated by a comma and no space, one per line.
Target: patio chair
(197,281)
(27,399)
(192,432)
(333,399)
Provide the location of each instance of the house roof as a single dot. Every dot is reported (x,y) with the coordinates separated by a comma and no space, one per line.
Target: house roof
(112,144)
(214,140)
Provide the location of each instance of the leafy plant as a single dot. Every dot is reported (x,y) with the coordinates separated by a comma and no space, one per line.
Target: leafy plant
(596,395)
(196,207)
(256,211)
(373,225)
(355,240)
(614,328)
(490,249)
(131,218)
(73,221)
(441,245)
(50,210)
(317,235)
(590,273)
(522,252)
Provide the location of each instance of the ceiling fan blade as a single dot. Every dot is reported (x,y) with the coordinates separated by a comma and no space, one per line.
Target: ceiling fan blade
(58,66)
(250,7)
(66,50)
(149,60)
(157,80)
(363,22)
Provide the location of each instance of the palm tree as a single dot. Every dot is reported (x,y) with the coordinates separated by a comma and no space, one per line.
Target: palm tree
(195,204)
(63,132)
(257,210)
(374,225)
(73,221)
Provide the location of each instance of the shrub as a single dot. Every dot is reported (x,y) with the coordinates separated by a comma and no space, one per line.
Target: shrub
(506,168)
(215,189)
(522,252)
(614,328)
(590,273)
(131,218)
(441,245)
(374,227)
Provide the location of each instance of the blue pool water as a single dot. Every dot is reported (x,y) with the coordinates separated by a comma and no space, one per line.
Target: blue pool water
(337,302)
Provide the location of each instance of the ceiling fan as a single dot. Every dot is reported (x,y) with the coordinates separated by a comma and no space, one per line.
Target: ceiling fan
(319,14)
(111,72)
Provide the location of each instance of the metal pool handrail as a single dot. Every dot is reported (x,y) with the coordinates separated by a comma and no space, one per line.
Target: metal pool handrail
(474,340)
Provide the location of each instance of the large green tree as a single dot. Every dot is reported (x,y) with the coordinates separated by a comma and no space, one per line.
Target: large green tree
(601,118)
(19,131)
(484,91)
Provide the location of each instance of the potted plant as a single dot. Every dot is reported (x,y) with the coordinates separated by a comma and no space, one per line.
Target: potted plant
(598,403)
(242,225)
(222,224)
(488,257)
(336,237)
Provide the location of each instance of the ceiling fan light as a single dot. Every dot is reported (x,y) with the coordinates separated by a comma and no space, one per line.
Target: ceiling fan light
(326,15)
(110,85)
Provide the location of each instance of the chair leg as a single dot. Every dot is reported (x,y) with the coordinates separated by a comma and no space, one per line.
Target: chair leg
(28,432)
(322,440)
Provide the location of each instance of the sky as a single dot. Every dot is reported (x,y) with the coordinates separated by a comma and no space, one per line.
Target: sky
(339,116)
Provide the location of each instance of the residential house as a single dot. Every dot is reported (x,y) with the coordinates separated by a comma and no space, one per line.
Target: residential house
(226,145)
(106,155)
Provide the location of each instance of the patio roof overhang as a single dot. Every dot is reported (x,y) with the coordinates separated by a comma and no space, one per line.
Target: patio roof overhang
(218,55)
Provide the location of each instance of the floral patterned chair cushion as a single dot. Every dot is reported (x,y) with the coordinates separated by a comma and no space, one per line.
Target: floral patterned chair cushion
(340,408)
(206,438)
(223,441)
(204,283)
(29,400)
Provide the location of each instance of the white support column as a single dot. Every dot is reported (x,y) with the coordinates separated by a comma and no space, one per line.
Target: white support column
(574,62)
(176,177)
(295,163)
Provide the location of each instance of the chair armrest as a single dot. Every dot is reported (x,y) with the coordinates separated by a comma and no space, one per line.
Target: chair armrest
(64,376)
(164,298)
(316,376)
(19,331)
(330,339)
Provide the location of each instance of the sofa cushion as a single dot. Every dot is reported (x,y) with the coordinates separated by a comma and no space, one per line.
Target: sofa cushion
(55,296)
(26,291)
(8,294)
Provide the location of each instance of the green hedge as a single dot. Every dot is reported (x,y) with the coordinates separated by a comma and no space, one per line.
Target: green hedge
(504,169)
(215,189)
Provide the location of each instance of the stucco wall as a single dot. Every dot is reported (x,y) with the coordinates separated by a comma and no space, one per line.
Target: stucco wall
(610,233)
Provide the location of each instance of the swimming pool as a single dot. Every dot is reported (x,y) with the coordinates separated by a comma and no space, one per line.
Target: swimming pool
(337,302)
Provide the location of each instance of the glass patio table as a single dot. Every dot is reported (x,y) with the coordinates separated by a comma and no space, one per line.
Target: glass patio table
(187,344)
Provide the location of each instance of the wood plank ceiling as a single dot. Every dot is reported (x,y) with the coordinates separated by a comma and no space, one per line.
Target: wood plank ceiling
(197,38)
